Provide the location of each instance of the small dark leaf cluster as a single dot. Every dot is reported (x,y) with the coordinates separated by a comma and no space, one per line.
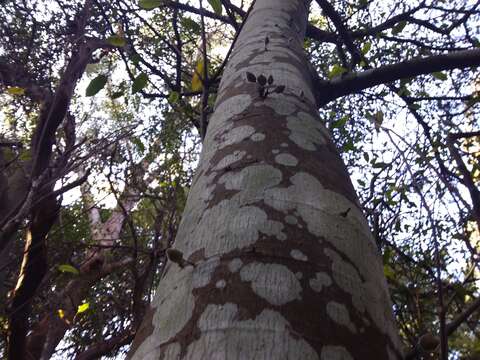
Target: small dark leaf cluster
(265,85)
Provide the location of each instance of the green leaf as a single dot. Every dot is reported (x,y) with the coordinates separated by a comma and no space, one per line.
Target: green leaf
(82,308)
(414,106)
(139,83)
(116,95)
(349,146)
(216,6)
(117,41)
(173,97)
(439,75)
(340,122)
(473,101)
(366,47)
(191,25)
(389,272)
(336,70)
(398,28)
(139,144)
(149,4)
(96,85)
(66,268)
(15,90)
(135,59)
(378,120)
(398,226)
(61,313)
(380,165)
(403,91)
(197,82)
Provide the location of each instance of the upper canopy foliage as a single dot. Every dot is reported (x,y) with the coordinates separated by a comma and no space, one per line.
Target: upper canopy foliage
(111,95)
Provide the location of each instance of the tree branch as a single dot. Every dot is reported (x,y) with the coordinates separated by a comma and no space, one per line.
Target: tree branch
(345,35)
(355,82)
(105,347)
(467,179)
(387,24)
(451,326)
(320,35)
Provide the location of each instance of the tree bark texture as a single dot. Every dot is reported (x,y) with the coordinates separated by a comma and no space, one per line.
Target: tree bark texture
(278,259)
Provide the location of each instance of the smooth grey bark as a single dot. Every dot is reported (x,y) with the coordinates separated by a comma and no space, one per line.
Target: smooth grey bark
(274,257)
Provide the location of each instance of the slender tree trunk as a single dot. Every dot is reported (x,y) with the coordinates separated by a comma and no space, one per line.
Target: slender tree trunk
(50,330)
(278,260)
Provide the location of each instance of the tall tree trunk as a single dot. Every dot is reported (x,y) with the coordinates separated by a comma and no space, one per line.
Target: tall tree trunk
(275,259)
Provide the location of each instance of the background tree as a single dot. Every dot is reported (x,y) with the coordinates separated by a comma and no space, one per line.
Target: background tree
(403,128)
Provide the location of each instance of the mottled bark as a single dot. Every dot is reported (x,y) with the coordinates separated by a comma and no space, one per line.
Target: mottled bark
(283,263)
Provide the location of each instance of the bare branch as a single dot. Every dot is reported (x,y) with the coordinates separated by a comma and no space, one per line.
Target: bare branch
(105,347)
(355,82)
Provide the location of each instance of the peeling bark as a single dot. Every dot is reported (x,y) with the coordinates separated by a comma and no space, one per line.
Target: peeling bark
(280,261)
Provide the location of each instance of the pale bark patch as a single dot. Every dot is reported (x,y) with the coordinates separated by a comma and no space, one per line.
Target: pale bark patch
(208,229)
(265,337)
(304,116)
(321,209)
(292,220)
(203,272)
(258,137)
(235,265)
(252,179)
(230,159)
(173,309)
(339,314)
(366,294)
(237,135)
(321,280)
(298,255)
(221,284)
(272,282)
(286,160)
(348,279)
(306,133)
(240,230)
(171,352)
(231,107)
(278,104)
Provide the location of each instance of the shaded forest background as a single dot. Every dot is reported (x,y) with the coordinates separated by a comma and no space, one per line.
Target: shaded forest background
(103,107)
